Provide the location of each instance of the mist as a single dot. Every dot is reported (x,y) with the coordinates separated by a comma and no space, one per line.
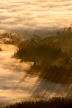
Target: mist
(17,84)
(33,18)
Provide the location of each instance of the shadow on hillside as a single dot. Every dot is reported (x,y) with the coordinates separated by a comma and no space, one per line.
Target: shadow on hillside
(52,73)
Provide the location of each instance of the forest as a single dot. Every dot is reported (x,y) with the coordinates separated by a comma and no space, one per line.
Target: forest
(51,55)
(52,103)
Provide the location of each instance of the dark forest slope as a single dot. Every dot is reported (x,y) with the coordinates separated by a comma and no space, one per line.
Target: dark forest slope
(52,56)
(53,103)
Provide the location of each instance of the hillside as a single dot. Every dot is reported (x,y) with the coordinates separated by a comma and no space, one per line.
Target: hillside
(50,55)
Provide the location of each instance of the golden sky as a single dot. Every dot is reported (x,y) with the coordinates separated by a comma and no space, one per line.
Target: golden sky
(35,14)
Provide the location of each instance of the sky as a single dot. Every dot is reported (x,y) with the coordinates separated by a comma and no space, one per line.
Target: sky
(34,14)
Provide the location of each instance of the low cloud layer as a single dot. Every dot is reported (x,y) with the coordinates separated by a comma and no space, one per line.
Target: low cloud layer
(34,14)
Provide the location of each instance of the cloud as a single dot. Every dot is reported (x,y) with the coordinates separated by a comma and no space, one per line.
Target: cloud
(35,14)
